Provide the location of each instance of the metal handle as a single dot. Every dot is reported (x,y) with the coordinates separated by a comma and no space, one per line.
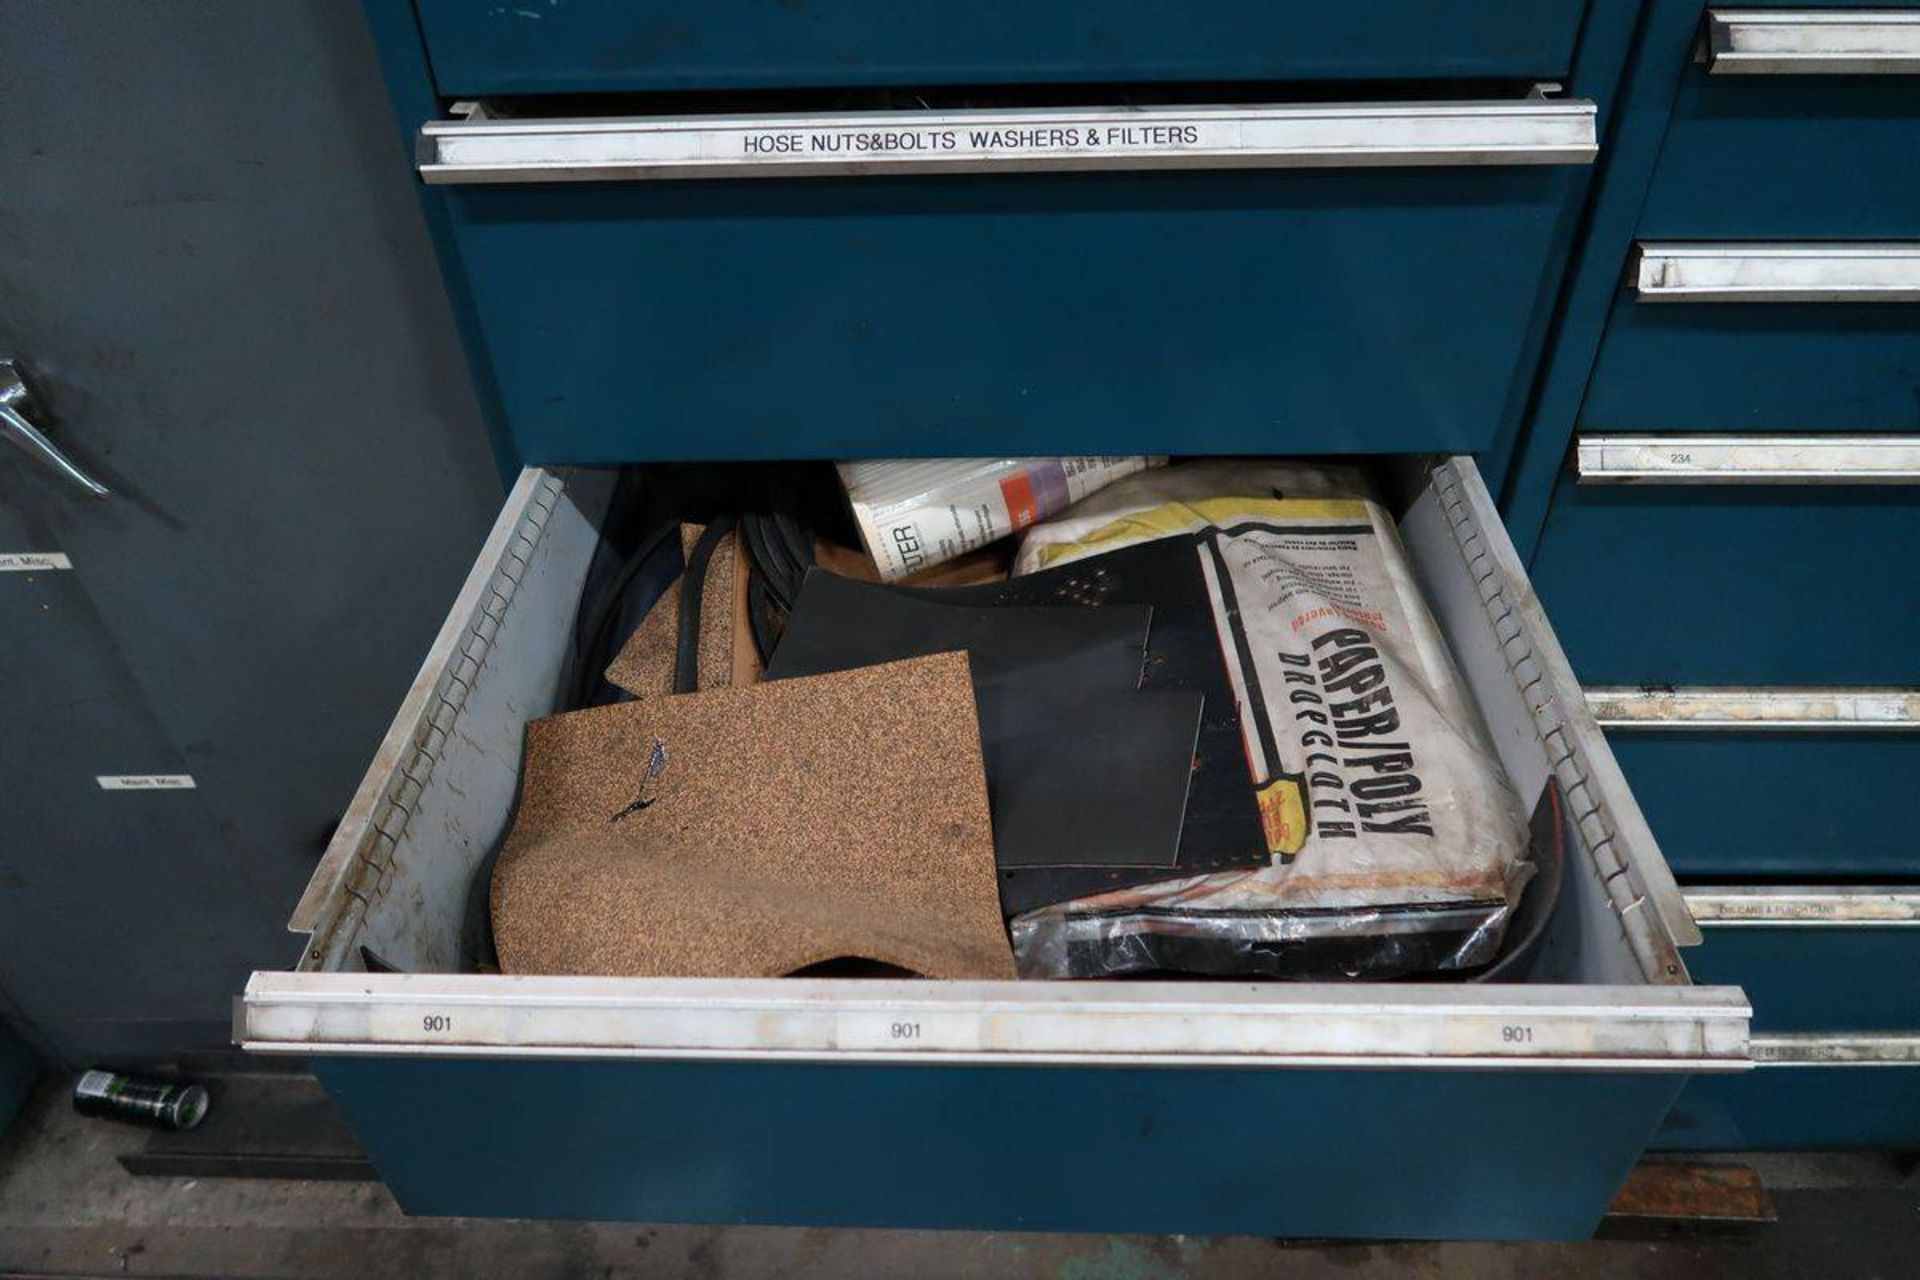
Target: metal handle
(1818,42)
(1756,459)
(16,402)
(1829,709)
(851,144)
(1834,272)
(1836,1049)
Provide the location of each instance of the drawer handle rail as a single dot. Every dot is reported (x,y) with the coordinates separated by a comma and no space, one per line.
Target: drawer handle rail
(1817,42)
(1051,139)
(1615,1028)
(1835,272)
(1754,459)
(1843,1049)
(1839,709)
(1787,907)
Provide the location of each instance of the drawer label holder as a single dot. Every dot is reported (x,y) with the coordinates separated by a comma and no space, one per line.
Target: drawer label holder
(1314,135)
(1607,1028)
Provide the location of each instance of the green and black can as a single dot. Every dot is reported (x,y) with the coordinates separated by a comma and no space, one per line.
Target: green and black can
(161,1104)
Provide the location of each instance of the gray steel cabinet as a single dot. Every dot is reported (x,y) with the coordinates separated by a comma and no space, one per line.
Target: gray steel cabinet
(216,273)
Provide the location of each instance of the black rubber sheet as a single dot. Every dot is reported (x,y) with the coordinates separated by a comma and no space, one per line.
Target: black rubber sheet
(1222,830)
(1083,770)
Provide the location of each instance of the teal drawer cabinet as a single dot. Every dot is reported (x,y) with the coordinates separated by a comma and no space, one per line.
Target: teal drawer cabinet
(727,231)
(1716,498)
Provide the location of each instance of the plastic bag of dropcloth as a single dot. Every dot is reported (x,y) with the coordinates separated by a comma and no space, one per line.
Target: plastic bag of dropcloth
(1396,845)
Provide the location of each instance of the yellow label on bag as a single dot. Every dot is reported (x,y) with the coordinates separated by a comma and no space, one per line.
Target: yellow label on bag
(1283,812)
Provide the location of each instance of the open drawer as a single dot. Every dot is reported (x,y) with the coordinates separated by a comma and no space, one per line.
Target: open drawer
(1309,1109)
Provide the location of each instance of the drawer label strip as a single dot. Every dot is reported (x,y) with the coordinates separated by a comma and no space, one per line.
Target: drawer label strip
(1808,272)
(33,561)
(1748,459)
(1765,708)
(1610,1028)
(1801,42)
(1533,131)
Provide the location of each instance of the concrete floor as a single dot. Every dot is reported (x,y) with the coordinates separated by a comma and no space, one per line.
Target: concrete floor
(67,1208)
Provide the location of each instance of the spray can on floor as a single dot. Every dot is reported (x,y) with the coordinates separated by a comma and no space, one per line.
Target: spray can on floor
(160,1104)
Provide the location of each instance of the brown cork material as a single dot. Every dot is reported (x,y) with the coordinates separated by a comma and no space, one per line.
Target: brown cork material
(644,665)
(750,832)
(746,660)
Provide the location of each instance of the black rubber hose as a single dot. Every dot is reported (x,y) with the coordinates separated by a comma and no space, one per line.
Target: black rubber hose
(589,674)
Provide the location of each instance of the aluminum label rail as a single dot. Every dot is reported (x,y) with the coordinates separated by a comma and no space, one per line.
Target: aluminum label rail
(1835,708)
(1164,1024)
(1533,131)
(1801,42)
(1748,459)
(1888,271)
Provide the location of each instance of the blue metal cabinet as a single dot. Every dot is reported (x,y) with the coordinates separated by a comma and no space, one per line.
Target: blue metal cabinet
(1747,292)
(547,46)
(1288,312)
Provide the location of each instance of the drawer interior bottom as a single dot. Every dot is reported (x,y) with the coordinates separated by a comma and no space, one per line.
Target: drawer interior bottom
(404,885)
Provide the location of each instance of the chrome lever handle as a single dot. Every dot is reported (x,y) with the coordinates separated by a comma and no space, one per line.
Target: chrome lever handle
(16,401)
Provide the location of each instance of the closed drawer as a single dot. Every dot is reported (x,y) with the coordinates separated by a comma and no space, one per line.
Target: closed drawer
(1771,781)
(1776,134)
(1836,1010)
(1778,271)
(622,46)
(1780,804)
(1813,958)
(580,1097)
(1806,335)
(1281,278)
(1727,560)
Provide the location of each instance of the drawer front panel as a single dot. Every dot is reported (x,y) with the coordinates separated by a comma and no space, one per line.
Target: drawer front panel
(638,45)
(1705,584)
(1858,971)
(1800,805)
(1782,157)
(949,1148)
(1265,312)
(1758,366)
(1797,1108)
